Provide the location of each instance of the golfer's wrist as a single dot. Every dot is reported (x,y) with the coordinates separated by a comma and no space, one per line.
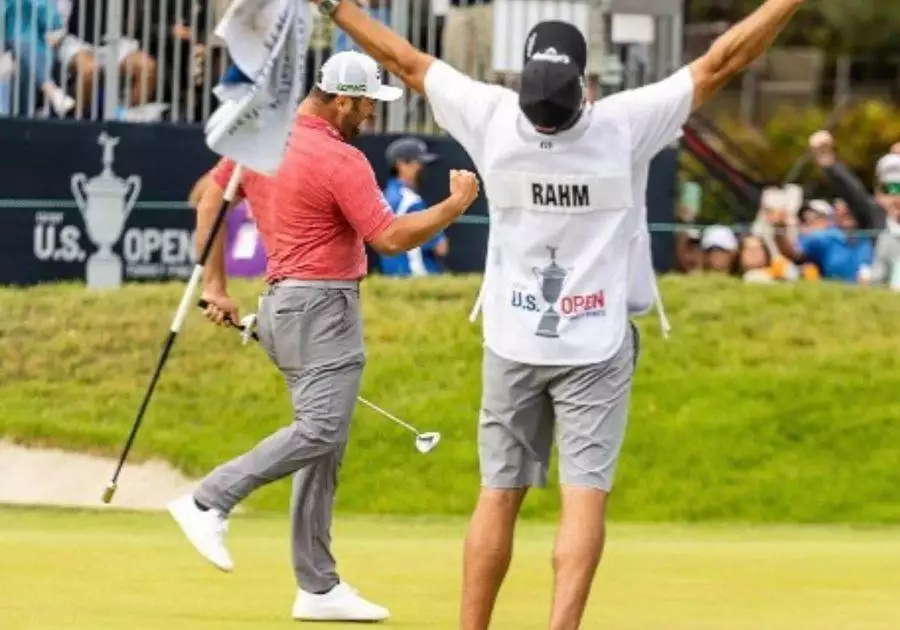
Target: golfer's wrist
(215,285)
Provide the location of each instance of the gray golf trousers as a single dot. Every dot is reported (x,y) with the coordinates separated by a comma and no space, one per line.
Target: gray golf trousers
(312,332)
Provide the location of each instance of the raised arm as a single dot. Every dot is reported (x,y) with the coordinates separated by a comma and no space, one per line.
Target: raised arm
(845,183)
(739,47)
(396,54)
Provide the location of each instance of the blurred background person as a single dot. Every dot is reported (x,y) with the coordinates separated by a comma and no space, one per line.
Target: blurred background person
(886,267)
(826,240)
(688,254)
(32,30)
(720,246)
(870,210)
(878,210)
(468,38)
(83,51)
(756,262)
(408,158)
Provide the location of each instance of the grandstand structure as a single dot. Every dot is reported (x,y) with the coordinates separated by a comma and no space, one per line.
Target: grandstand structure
(158,61)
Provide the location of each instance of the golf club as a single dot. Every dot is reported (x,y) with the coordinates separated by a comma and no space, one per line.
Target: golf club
(174,329)
(425,442)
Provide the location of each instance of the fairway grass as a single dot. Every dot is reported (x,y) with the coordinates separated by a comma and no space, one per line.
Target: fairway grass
(63,569)
(762,394)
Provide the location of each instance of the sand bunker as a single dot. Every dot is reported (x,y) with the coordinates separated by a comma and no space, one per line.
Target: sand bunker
(56,477)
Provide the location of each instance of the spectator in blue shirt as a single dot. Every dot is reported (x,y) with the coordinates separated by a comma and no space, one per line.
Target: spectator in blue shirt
(31,30)
(408,158)
(825,241)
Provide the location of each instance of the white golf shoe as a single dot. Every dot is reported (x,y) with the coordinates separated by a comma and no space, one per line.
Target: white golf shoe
(204,529)
(342,603)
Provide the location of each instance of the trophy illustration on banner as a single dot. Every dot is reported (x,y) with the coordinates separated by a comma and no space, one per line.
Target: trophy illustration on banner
(551,278)
(105,203)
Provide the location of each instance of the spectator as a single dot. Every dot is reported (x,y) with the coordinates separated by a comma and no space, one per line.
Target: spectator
(879,210)
(408,158)
(870,210)
(826,241)
(720,247)
(32,29)
(82,51)
(756,263)
(688,255)
(886,268)
(468,38)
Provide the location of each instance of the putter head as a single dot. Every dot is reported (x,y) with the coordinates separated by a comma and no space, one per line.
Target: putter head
(425,442)
(249,324)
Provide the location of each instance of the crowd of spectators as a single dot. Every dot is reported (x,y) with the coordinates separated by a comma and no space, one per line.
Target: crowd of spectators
(852,236)
(53,53)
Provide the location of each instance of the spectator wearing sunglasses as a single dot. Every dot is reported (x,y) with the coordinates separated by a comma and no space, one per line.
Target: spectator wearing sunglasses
(886,268)
(879,210)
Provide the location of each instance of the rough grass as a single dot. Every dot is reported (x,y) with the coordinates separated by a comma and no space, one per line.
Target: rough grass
(107,571)
(768,404)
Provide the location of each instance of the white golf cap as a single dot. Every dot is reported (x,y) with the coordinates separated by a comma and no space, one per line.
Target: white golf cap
(888,169)
(821,206)
(719,237)
(351,73)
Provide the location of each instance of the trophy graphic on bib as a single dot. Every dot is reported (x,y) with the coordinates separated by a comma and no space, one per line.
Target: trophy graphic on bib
(551,279)
(105,203)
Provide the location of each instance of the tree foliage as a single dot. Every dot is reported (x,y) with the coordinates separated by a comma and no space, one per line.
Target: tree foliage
(855,27)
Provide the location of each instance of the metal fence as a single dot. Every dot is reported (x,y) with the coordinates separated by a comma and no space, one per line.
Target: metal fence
(158,60)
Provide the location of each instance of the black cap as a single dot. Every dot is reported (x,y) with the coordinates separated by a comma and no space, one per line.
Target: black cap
(552,89)
(409,149)
(563,37)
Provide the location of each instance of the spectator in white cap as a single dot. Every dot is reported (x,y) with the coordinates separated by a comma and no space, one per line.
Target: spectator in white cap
(720,246)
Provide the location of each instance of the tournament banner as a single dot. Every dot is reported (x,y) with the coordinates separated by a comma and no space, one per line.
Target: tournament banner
(105,203)
(100,204)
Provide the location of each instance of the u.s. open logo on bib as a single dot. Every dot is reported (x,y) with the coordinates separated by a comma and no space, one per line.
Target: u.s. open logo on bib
(558,305)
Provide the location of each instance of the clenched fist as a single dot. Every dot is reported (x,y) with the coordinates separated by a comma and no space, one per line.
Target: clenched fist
(821,144)
(463,188)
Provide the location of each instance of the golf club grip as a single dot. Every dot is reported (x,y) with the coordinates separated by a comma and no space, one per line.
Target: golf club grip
(201,303)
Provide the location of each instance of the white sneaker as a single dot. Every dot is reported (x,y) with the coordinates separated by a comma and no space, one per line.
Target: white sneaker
(342,603)
(205,529)
(61,102)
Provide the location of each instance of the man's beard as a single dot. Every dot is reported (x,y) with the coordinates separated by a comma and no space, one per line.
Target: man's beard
(350,132)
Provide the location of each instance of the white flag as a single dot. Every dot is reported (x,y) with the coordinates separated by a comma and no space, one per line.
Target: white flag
(267,41)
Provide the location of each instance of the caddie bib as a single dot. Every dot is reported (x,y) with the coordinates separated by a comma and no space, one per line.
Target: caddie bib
(563,219)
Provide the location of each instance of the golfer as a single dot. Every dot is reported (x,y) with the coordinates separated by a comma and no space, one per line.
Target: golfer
(314,215)
(565,183)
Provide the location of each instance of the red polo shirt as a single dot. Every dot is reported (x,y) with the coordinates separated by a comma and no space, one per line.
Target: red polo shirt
(316,212)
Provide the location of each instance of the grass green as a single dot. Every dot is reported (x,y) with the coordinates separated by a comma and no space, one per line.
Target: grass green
(767,404)
(65,570)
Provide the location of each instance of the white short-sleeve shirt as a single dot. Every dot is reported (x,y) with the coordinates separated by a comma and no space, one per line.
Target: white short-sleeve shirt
(568,215)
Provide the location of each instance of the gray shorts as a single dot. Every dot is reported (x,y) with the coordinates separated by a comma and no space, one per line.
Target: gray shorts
(586,405)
